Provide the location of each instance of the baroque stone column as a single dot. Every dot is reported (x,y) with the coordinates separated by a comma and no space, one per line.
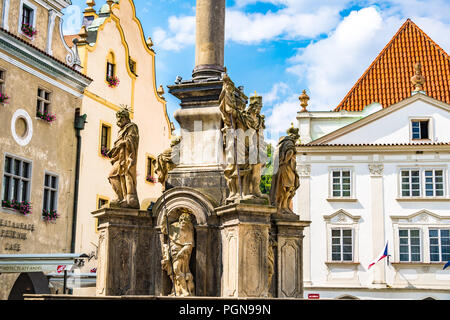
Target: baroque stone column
(210,38)
(125,255)
(245,242)
(377,213)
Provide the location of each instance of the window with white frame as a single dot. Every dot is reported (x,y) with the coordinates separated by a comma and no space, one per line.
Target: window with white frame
(27,21)
(50,202)
(409,245)
(422,182)
(16,179)
(43,101)
(434,183)
(420,129)
(341,184)
(439,245)
(341,245)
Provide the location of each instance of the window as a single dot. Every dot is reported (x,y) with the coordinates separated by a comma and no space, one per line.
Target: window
(110,66)
(434,183)
(132,65)
(27,15)
(105,139)
(341,245)
(2,81)
(102,202)
(16,179)
(410,183)
(410,245)
(427,182)
(420,129)
(341,183)
(43,102)
(50,193)
(150,170)
(439,245)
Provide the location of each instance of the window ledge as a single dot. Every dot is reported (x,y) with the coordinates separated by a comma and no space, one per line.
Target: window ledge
(342,200)
(418,264)
(421,199)
(343,264)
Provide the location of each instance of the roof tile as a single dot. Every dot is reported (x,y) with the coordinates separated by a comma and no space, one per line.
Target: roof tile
(388,79)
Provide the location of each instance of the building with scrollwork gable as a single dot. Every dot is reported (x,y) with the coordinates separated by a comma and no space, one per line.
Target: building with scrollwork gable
(113,51)
(41,89)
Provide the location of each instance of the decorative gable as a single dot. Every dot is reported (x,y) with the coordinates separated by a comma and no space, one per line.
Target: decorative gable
(421,217)
(342,217)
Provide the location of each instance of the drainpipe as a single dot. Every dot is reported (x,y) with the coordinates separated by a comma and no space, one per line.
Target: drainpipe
(80,121)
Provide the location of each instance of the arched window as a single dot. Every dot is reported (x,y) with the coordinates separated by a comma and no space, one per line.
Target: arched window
(110,65)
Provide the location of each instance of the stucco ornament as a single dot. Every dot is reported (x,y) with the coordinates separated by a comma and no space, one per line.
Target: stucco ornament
(244,143)
(167,161)
(124,161)
(285,181)
(418,80)
(176,250)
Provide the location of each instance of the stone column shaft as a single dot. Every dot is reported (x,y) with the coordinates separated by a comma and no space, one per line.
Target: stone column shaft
(210,38)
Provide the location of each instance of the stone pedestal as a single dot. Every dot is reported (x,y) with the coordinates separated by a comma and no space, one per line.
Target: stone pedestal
(125,252)
(288,277)
(245,241)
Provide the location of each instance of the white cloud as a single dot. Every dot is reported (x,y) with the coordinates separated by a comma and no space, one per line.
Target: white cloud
(282,115)
(274,94)
(332,65)
(181,33)
(72,20)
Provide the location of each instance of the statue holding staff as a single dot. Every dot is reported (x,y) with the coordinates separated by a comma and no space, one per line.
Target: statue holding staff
(123,156)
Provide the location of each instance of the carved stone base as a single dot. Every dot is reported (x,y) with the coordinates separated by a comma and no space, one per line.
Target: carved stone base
(125,253)
(245,240)
(288,278)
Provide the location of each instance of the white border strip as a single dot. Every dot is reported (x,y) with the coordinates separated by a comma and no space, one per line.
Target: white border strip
(40,75)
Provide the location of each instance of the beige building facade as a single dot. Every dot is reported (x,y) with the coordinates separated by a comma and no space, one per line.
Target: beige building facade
(112,45)
(41,90)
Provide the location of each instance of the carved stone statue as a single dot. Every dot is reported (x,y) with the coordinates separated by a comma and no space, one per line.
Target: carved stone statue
(167,161)
(177,253)
(244,141)
(256,122)
(123,156)
(285,180)
(234,124)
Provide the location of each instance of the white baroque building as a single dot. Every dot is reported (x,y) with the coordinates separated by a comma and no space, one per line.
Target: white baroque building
(374,177)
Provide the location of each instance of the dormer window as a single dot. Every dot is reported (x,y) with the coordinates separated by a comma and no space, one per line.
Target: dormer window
(420,129)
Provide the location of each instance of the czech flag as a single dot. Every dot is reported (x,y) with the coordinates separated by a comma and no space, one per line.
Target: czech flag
(447,265)
(381,256)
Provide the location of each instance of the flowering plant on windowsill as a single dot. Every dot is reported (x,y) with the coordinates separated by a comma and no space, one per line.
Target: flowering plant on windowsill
(105,152)
(151,179)
(24,207)
(46,116)
(28,30)
(4,98)
(49,215)
(113,81)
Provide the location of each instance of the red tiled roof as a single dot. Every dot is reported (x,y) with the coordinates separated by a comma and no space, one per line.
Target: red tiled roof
(69,39)
(45,53)
(388,79)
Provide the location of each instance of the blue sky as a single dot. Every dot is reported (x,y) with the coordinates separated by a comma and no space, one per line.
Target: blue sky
(278,48)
